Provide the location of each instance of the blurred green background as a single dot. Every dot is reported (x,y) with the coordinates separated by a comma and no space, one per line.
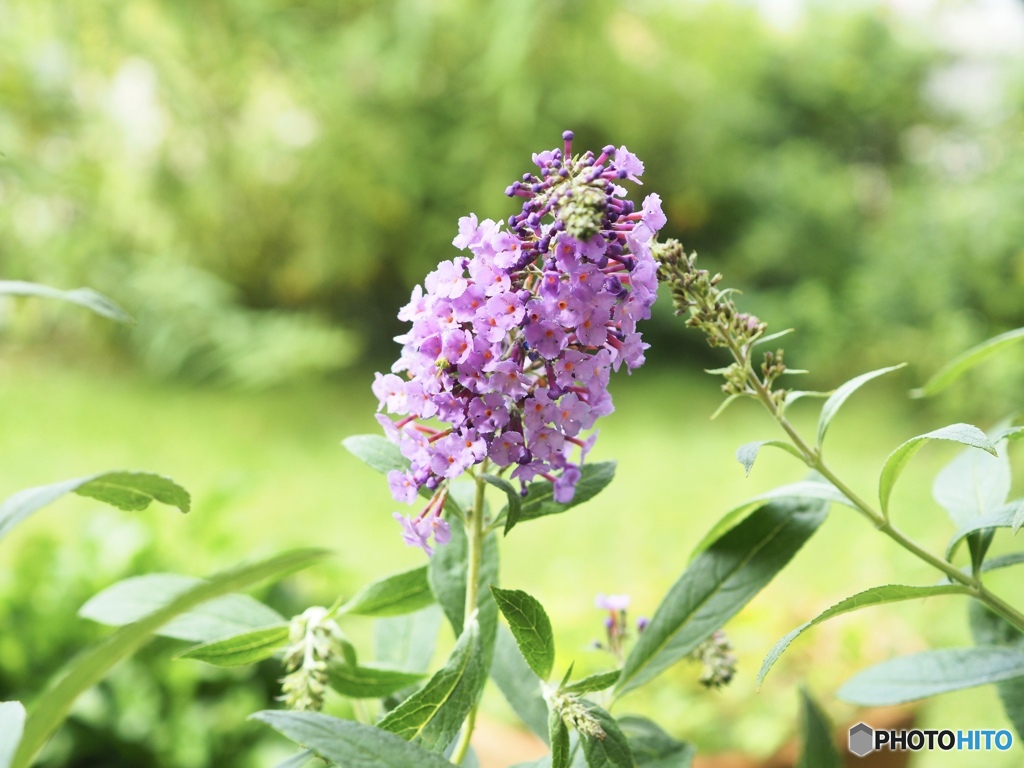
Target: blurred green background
(261,183)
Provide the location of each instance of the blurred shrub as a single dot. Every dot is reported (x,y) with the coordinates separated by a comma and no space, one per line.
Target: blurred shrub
(316,155)
(191,325)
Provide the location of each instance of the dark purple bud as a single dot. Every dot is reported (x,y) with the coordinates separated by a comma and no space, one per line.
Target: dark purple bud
(609,623)
(609,150)
(527,457)
(629,262)
(613,285)
(564,173)
(601,261)
(568,135)
(510,192)
(524,295)
(641,624)
(621,173)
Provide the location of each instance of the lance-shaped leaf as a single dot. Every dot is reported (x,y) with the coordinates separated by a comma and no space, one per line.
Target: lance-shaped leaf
(408,641)
(393,595)
(1003,518)
(965,434)
(989,629)
(818,750)
(810,490)
(652,747)
(601,681)
(842,393)
(90,667)
(540,499)
(718,583)
(131,491)
(747,453)
(889,593)
(930,673)
(435,713)
(244,648)
(370,681)
(611,751)
(531,628)
(350,744)
(558,738)
(515,500)
(83,297)
(376,452)
(381,454)
(974,486)
(518,684)
(134,598)
(447,576)
(962,363)
(12,723)
(1003,561)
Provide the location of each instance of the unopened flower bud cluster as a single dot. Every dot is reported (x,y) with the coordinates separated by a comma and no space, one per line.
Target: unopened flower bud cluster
(712,311)
(512,345)
(313,640)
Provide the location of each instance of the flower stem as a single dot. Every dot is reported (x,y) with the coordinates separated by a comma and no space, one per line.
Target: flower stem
(475,539)
(814,460)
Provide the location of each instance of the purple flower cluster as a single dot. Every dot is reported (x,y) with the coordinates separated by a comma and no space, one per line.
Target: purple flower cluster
(512,346)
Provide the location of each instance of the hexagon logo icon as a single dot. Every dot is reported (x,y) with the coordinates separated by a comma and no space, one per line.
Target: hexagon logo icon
(862,739)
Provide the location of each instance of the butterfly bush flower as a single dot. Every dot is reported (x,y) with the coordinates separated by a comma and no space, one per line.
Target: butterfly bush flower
(513,342)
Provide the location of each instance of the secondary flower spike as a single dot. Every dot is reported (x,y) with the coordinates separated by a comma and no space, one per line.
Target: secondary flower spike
(512,344)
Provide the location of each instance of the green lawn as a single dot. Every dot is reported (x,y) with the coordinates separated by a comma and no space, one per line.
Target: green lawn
(267,472)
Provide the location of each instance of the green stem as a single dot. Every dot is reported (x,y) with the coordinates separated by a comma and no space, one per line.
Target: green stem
(475,538)
(813,459)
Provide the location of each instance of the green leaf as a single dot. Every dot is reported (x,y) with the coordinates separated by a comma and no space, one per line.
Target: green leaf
(836,400)
(245,648)
(652,747)
(613,750)
(447,576)
(962,363)
(597,682)
(134,491)
(347,743)
(370,681)
(435,713)
(989,629)
(804,489)
(376,452)
(725,404)
(929,673)
(965,434)
(92,665)
(393,595)
(747,453)
(1004,518)
(558,738)
(518,684)
(1004,561)
(530,626)
(12,723)
(718,583)
(83,297)
(889,593)
(515,500)
(540,502)
(134,598)
(818,749)
(408,642)
(970,488)
(127,490)
(766,339)
(973,485)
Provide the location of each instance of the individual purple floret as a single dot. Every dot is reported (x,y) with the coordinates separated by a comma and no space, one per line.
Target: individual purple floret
(512,345)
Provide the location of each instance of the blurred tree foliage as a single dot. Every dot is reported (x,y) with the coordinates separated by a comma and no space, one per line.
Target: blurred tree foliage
(313,158)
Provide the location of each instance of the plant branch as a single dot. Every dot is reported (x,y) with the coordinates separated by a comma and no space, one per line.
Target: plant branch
(475,538)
